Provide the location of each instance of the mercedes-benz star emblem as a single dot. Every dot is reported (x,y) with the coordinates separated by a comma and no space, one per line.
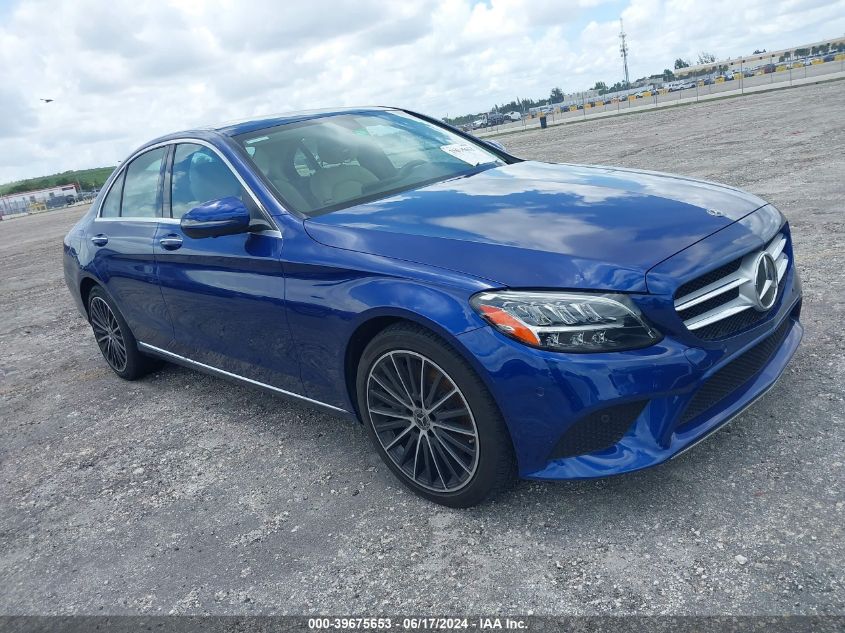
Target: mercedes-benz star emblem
(765,281)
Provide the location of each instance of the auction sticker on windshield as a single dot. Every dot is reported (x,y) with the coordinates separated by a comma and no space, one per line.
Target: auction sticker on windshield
(467,153)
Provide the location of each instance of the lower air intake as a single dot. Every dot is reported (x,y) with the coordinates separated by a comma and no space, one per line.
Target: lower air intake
(598,430)
(734,375)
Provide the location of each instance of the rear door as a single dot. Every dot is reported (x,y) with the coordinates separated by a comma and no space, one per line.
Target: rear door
(122,235)
(226,294)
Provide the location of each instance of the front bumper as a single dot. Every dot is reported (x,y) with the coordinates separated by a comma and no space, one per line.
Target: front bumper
(544,395)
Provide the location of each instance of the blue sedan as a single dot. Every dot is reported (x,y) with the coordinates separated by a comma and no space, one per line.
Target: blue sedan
(481,315)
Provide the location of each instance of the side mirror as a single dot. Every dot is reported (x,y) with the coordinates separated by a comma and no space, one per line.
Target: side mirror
(497,145)
(226,216)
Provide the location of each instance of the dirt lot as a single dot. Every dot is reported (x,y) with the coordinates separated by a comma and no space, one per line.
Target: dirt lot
(183,493)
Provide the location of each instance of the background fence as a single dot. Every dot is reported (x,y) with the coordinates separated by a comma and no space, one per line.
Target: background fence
(778,75)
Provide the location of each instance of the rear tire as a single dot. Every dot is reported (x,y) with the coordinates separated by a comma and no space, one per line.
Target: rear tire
(115,339)
(431,418)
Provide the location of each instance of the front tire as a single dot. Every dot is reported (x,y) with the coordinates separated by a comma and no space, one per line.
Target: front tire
(431,418)
(115,339)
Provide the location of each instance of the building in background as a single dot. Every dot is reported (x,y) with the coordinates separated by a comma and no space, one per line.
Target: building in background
(23,202)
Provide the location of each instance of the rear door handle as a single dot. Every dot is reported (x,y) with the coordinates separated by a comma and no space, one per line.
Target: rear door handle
(100,240)
(171,242)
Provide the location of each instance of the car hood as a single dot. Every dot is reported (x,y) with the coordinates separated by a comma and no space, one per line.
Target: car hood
(533,224)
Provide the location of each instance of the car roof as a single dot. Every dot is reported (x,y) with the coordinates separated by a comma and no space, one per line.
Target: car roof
(242,126)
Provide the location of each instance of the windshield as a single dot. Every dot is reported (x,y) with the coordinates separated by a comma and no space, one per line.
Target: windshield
(333,162)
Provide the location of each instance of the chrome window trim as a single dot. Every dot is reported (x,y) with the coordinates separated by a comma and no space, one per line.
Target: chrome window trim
(139,219)
(117,174)
(176,141)
(222,372)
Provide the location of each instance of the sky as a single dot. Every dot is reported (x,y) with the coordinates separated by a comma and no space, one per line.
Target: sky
(123,72)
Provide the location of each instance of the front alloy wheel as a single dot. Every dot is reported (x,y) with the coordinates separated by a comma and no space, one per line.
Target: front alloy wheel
(431,418)
(422,421)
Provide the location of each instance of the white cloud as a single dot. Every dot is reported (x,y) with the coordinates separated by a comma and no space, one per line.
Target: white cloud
(123,71)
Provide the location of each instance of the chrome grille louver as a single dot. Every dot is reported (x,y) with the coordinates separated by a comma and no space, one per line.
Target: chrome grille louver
(702,307)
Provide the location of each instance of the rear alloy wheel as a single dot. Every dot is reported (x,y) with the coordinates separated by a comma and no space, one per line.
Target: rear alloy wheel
(108,335)
(115,339)
(431,418)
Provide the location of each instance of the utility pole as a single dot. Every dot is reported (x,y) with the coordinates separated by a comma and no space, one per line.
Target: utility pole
(623,49)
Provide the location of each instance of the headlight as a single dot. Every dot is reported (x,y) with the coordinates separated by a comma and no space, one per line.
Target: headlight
(567,322)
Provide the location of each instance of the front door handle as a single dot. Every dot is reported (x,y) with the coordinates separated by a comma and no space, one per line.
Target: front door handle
(171,242)
(100,240)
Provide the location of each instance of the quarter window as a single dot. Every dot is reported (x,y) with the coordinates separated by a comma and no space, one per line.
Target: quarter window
(111,205)
(140,188)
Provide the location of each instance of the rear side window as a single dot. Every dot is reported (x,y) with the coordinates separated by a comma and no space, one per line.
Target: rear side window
(140,188)
(200,176)
(111,205)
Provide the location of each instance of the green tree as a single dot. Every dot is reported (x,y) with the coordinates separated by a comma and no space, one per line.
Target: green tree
(556,95)
(600,87)
(681,63)
(706,58)
(668,75)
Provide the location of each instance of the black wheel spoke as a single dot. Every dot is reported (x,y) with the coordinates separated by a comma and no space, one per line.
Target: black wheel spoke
(410,449)
(454,428)
(451,452)
(108,334)
(443,400)
(390,425)
(434,461)
(396,397)
(442,452)
(422,421)
(401,379)
(432,389)
(449,439)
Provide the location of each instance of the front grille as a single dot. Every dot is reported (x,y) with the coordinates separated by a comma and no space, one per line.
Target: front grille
(733,324)
(722,302)
(598,430)
(708,278)
(734,375)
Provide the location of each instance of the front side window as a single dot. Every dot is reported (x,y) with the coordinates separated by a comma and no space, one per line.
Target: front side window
(140,187)
(200,176)
(337,161)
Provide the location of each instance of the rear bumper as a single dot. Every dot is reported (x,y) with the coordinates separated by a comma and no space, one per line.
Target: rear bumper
(667,390)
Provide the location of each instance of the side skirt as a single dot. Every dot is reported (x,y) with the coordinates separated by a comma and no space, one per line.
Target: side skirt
(214,371)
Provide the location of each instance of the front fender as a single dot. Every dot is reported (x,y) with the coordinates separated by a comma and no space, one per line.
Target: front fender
(332,293)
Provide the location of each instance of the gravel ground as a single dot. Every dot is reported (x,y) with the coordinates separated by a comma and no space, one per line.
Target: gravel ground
(185,494)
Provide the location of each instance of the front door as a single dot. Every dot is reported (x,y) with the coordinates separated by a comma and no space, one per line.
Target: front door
(225,294)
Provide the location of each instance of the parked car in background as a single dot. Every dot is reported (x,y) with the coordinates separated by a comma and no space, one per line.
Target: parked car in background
(479,123)
(481,315)
(514,116)
(495,118)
